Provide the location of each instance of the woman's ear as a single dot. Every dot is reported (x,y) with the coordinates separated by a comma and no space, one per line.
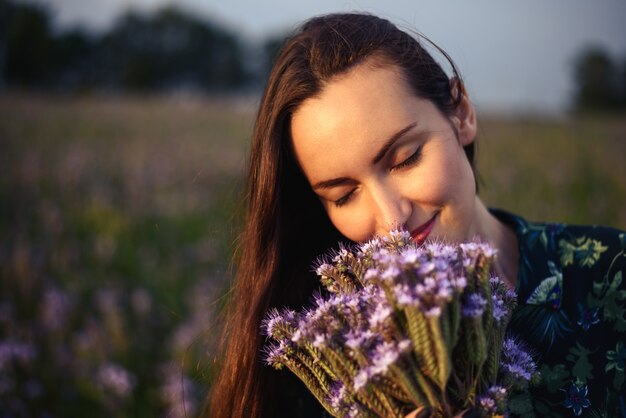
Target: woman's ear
(464,115)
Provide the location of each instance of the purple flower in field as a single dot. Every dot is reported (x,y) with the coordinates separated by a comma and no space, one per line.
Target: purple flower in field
(473,306)
(15,351)
(116,379)
(6,312)
(577,398)
(55,308)
(141,302)
(516,364)
(177,393)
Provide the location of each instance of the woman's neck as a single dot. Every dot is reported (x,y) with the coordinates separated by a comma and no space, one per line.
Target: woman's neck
(503,237)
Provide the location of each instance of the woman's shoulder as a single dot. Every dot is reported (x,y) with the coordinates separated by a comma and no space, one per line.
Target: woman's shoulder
(565,245)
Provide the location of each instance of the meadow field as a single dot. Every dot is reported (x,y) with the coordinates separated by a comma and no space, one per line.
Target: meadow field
(119,214)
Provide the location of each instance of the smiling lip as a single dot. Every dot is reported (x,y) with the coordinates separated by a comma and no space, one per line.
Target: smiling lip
(420,234)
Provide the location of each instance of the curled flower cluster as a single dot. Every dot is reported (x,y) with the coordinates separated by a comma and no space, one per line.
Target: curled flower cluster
(402,326)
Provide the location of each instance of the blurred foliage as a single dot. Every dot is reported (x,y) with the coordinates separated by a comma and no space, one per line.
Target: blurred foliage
(169,49)
(569,170)
(116,231)
(600,82)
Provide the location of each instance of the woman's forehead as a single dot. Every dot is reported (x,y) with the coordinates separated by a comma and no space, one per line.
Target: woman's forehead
(360,104)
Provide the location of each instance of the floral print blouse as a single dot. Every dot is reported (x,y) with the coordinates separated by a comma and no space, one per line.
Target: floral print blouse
(572,313)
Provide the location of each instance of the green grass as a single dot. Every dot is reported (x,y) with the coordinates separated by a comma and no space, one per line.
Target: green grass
(128,206)
(568,171)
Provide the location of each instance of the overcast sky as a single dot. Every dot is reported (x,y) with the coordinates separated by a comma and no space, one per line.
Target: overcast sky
(514,54)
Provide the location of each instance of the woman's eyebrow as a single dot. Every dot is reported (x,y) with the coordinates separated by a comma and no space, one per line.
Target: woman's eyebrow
(379,156)
(327,184)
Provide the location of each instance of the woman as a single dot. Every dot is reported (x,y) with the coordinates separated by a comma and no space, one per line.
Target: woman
(360,131)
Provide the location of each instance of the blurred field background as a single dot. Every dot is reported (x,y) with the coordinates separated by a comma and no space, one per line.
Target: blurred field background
(118,215)
(121,168)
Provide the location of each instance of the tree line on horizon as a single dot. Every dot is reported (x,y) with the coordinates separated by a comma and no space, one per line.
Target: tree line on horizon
(172,49)
(168,49)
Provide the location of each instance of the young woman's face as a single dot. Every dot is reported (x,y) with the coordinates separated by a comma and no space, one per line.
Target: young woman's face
(381,158)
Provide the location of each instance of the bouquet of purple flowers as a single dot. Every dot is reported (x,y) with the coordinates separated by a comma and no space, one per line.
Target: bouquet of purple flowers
(404,326)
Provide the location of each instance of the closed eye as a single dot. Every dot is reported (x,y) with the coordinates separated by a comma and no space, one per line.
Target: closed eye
(344,199)
(413,159)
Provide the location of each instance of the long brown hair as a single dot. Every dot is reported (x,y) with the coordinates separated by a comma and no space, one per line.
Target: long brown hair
(286,226)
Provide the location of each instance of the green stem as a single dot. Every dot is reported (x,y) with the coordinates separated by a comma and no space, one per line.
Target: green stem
(311,383)
(315,370)
(441,351)
(421,340)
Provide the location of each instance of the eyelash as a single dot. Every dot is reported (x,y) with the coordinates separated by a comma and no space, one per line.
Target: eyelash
(409,161)
(414,158)
(344,199)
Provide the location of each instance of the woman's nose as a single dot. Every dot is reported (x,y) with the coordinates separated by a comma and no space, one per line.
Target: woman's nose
(392,210)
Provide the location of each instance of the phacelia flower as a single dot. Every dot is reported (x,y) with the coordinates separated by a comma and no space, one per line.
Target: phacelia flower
(517,365)
(473,306)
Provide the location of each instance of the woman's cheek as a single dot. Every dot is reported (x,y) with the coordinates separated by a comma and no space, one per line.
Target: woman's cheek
(353,224)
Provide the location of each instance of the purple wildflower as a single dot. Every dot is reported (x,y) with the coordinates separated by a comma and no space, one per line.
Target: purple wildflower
(404,296)
(399,238)
(371,246)
(502,299)
(55,309)
(177,393)
(386,355)
(280,324)
(338,397)
(517,365)
(500,310)
(276,354)
(361,379)
(116,379)
(493,402)
(390,274)
(325,270)
(361,340)
(473,306)
(475,251)
(141,302)
(409,257)
(16,351)
(379,316)
(577,398)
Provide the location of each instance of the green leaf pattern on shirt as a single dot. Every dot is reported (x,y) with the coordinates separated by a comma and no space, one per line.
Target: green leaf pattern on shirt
(585,251)
(573,313)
